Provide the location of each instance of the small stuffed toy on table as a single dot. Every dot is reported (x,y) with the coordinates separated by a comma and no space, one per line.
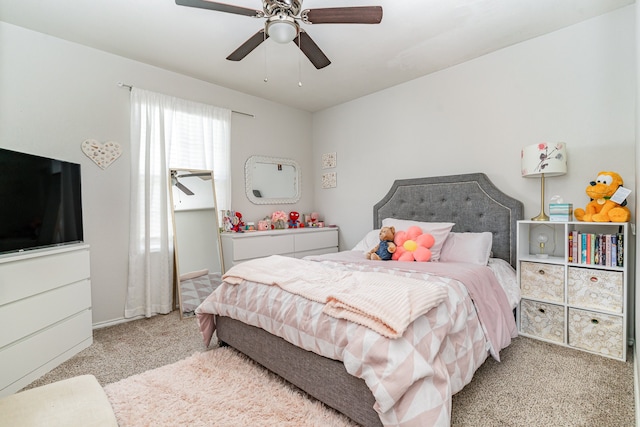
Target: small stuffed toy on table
(237,222)
(294,219)
(385,249)
(601,208)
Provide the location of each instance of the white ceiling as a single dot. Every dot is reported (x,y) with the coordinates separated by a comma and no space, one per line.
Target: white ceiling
(415,38)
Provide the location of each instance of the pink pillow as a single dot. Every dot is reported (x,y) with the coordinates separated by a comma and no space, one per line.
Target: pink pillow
(474,248)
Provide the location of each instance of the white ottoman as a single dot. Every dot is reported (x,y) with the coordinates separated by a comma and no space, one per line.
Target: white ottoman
(78,401)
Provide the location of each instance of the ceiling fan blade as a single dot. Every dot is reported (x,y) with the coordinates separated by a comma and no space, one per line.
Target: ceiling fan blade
(343,15)
(202,175)
(246,47)
(311,50)
(184,189)
(221,7)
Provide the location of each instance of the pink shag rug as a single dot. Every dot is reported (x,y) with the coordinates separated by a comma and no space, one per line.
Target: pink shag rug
(219,387)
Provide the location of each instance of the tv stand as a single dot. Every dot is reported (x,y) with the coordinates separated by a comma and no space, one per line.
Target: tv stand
(45,312)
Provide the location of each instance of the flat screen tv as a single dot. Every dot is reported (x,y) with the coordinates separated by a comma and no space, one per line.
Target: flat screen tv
(40,202)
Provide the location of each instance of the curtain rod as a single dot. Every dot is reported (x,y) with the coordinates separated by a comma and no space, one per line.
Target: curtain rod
(120,84)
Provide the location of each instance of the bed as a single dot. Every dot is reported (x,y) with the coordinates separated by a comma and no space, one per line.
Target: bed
(444,345)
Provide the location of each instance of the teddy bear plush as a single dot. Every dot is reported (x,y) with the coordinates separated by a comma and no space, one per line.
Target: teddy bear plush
(601,208)
(385,249)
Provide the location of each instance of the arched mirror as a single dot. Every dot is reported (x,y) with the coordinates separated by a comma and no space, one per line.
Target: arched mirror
(271,180)
(197,247)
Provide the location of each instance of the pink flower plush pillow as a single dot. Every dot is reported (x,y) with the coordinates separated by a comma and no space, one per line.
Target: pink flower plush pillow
(439,230)
(413,245)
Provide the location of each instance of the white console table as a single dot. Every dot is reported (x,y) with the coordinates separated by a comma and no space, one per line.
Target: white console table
(294,242)
(45,312)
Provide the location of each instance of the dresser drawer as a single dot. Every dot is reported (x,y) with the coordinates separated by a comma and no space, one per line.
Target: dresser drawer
(542,281)
(262,246)
(596,289)
(542,320)
(314,241)
(597,332)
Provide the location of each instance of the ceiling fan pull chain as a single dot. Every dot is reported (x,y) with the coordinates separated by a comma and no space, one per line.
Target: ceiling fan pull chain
(299,63)
(266,78)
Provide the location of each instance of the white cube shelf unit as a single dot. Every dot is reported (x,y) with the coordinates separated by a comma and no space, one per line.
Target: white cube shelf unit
(572,292)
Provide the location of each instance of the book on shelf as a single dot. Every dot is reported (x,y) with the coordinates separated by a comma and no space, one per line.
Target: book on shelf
(570,247)
(612,256)
(595,248)
(619,259)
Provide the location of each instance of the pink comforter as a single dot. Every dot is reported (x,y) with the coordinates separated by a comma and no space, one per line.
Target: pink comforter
(412,377)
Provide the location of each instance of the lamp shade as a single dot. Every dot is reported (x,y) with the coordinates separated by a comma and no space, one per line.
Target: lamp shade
(282,31)
(544,158)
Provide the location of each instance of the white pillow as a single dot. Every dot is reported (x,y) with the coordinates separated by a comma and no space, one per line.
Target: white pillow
(474,248)
(439,231)
(370,240)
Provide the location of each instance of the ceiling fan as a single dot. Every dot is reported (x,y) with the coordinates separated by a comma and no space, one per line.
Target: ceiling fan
(181,186)
(283,23)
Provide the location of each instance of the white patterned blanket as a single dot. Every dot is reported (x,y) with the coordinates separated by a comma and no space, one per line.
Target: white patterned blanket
(371,299)
(411,377)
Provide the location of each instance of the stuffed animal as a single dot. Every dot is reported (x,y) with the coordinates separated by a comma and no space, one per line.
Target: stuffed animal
(237,222)
(294,219)
(385,249)
(601,208)
(413,245)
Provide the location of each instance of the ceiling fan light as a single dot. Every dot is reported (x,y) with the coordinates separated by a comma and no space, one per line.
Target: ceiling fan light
(282,31)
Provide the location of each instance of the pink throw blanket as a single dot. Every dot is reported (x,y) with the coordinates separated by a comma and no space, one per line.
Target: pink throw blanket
(488,296)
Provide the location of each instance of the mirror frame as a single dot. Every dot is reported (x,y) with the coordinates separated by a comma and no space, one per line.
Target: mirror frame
(176,254)
(248,179)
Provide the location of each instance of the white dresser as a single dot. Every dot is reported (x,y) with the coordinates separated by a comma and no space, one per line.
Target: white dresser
(574,294)
(295,242)
(45,312)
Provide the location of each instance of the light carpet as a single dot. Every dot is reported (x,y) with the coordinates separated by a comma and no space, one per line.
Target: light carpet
(536,384)
(219,387)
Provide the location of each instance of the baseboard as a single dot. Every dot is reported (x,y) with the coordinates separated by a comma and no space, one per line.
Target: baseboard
(120,320)
(114,322)
(636,384)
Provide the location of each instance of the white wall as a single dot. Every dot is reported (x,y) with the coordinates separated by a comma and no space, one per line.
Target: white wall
(55,94)
(575,85)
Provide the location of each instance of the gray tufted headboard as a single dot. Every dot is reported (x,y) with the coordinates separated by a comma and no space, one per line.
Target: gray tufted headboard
(471,201)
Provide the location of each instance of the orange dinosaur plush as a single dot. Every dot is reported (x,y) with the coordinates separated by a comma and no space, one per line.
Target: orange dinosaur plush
(601,208)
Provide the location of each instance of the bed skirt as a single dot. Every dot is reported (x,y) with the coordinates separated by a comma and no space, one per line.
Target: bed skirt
(325,379)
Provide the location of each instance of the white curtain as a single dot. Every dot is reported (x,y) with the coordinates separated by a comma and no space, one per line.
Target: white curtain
(167,132)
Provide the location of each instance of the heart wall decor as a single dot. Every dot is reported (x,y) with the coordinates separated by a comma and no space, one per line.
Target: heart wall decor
(102,154)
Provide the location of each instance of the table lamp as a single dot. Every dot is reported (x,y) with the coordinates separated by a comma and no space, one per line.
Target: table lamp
(540,160)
